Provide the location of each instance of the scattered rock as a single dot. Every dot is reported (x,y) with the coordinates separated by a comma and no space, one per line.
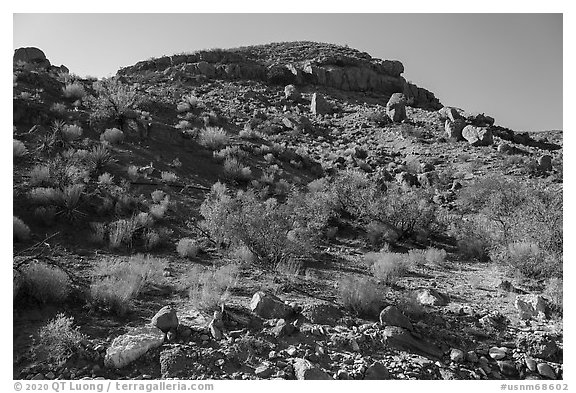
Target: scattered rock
(130,346)
(269,306)
(165,319)
(291,93)
(454,129)
(545,163)
(319,105)
(392,316)
(322,313)
(431,297)
(477,136)
(173,363)
(264,371)
(457,355)
(449,113)
(531,306)
(498,353)
(377,371)
(305,370)
(471,356)
(508,368)
(396,107)
(283,328)
(531,364)
(545,370)
(397,337)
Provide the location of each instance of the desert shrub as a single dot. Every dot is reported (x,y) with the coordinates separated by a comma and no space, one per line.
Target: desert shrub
(74,91)
(117,281)
(183,125)
(99,157)
(46,214)
(410,306)
(554,293)
(435,256)
(213,138)
(187,248)
(388,266)
(168,177)
(157,211)
(242,254)
(46,284)
(114,102)
(21,230)
(267,228)
(209,288)
(19,149)
(105,179)
(40,175)
(122,232)
(361,295)
(133,173)
(234,170)
(152,239)
(289,267)
(528,259)
(98,233)
(58,108)
(249,134)
(71,132)
(230,152)
(352,191)
(157,196)
(112,136)
(44,195)
(58,340)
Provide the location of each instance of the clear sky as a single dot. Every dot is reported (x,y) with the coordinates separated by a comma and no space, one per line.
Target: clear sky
(506,65)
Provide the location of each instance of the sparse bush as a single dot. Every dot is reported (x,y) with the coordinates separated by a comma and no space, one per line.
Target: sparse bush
(46,284)
(209,288)
(183,125)
(112,136)
(40,175)
(121,232)
(133,174)
(74,91)
(114,102)
(158,210)
(528,259)
(19,149)
(435,256)
(361,295)
(267,228)
(234,170)
(249,134)
(21,230)
(158,196)
(44,196)
(116,282)
(58,108)
(98,234)
(378,117)
(187,248)
(410,306)
(58,340)
(388,266)
(46,214)
(213,138)
(554,293)
(243,255)
(152,239)
(168,177)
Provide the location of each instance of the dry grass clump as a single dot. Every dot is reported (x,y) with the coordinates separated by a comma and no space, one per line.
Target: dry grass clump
(213,138)
(121,232)
(187,248)
(361,295)
(430,256)
(388,266)
(234,170)
(21,230)
(117,282)
(209,288)
(45,283)
(58,340)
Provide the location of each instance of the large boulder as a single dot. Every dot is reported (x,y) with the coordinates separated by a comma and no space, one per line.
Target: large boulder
(304,370)
(392,316)
(31,55)
(454,128)
(450,113)
(130,346)
(319,105)
(545,163)
(165,319)
(396,107)
(477,136)
(322,313)
(531,306)
(268,306)
(399,338)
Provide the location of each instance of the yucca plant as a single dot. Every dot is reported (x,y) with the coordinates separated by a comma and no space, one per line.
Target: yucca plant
(99,157)
(70,200)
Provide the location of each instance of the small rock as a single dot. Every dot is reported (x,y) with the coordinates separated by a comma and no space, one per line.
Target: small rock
(471,356)
(431,297)
(269,306)
(305,370)
(377,371)
(545,163)
(392,316)
(508,368)
(130,346)
(531,306)
(165,319)
(497,353)
(531,364)
(322,313)
(264,371)
(457,355)
(342,374)
(545,370)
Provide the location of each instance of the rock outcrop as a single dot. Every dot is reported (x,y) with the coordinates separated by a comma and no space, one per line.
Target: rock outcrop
(130,346)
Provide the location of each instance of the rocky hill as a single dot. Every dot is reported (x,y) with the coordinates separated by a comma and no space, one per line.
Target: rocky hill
(283,211)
